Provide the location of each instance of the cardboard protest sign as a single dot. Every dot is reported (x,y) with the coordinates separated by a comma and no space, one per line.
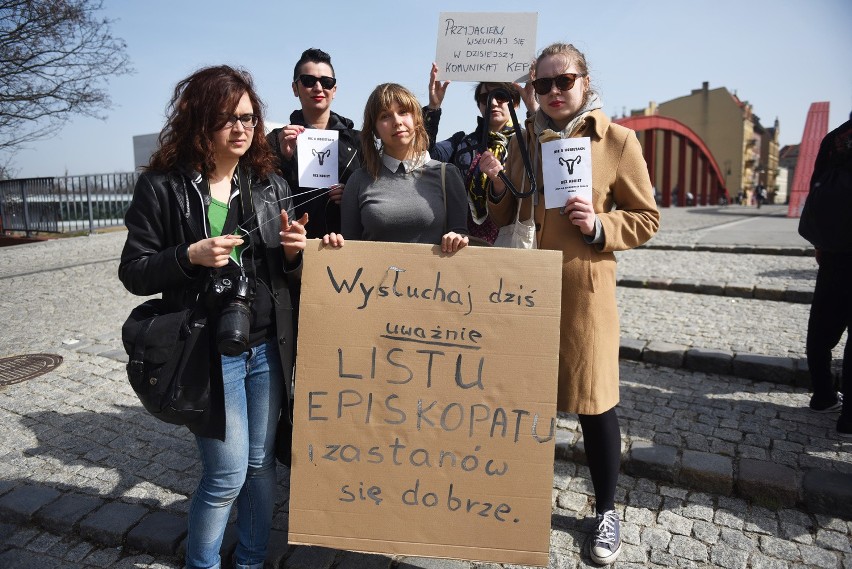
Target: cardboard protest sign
(566,169)
(425,398)
(317,158)
(485,46)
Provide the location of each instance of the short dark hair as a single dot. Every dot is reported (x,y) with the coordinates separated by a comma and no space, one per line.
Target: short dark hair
(312,55)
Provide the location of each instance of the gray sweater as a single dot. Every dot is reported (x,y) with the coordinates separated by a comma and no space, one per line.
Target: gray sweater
(404,207)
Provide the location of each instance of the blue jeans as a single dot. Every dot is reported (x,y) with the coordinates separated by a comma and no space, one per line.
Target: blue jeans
(241,468)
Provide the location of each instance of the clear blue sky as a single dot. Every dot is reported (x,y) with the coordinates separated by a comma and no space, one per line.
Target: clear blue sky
(779,55)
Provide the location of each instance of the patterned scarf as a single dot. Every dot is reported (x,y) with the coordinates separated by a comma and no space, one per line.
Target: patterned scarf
(498,144)
(545,129)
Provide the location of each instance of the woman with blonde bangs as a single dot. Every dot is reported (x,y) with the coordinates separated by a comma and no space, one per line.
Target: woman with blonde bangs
(621,215)
(401,194)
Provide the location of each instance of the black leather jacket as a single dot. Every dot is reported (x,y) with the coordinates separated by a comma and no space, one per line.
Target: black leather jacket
(324,215)
(167,214)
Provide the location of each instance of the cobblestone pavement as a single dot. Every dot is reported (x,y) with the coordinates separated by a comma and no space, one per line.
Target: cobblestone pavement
(719,470)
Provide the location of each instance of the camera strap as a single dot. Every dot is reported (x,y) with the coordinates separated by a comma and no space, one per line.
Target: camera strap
(245,196)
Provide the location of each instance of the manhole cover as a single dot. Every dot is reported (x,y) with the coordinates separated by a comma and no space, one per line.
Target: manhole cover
(16,369)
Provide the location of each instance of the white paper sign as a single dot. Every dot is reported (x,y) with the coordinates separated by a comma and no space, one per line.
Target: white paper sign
(317,158)
(486,46)
(567,169)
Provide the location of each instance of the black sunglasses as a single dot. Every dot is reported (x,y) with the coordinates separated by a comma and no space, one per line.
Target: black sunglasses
(500,97)
(564,82)
(309,81)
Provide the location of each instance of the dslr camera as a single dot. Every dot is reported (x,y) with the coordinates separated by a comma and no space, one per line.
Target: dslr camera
(235,296)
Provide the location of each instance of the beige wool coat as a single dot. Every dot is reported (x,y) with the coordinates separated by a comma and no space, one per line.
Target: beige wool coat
(624,202)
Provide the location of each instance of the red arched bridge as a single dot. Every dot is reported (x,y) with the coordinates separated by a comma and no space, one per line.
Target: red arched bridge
(706,183)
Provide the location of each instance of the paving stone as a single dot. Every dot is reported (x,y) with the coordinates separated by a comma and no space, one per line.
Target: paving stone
(739,290)
(712,288)
(706,471)
(62,515)
(20,504)
(310,557)
(665,354)
(353,560)
(827,492)
(158,533)
(631,349)
(110,523)
(685,285)
(21,559)
(769,292)
(658,462)
(800,294)
(764,368)
(767,483)
(709,361)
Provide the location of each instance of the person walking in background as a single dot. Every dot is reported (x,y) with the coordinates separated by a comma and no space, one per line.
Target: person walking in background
(826,222)
(315,85)
(187,232)
(401,194)
(621,215)
(462,149)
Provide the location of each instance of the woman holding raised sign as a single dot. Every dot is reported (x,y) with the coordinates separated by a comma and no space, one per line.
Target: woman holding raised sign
(462,149)
(621,214)
(401,194)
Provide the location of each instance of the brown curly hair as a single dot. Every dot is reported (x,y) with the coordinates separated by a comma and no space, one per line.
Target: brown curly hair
(196,112)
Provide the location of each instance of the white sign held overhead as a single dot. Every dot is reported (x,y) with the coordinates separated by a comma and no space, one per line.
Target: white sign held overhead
(486,46)
(317,158)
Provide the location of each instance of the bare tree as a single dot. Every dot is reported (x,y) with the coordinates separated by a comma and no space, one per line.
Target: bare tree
(56,57)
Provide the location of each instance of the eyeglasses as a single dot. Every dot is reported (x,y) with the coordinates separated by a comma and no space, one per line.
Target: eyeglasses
(309,81)
(564,82)
(500,97)
(248,121)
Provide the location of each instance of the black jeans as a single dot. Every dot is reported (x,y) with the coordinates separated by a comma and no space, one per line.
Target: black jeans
(831,314)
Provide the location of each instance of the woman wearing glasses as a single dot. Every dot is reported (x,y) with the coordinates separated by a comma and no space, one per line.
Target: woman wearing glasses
(189,228)
(461,148)
(621,215)
(315,85)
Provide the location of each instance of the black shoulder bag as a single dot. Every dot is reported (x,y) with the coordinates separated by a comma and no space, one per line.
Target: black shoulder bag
(169,359)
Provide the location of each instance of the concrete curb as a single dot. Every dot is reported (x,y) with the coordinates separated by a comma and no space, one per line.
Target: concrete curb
(803,251)
(761,482)
(757,367)
(794,294)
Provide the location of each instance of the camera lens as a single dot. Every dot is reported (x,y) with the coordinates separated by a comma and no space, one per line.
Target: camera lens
(233,333)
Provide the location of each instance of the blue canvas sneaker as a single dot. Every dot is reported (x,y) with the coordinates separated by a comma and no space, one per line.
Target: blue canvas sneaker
(606,543)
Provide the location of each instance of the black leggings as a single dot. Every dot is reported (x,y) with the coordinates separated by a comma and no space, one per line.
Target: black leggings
(602,439)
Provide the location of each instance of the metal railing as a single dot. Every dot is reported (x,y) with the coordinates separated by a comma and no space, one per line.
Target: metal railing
(65,204)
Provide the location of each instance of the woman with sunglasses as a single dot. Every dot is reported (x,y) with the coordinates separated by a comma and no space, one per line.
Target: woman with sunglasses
(461,148)
(188,230)
(401,194)
(621,215)
(315,85)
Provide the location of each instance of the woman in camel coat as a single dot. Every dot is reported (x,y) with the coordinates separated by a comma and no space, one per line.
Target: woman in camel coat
(621,215)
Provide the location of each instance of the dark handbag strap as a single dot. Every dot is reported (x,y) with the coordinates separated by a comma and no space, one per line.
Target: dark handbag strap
(444,191)
(483,146)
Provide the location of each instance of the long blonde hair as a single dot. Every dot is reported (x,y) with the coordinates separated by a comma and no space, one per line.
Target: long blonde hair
(381,99)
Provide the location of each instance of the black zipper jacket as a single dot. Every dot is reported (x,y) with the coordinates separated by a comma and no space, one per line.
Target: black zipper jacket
(166,215)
